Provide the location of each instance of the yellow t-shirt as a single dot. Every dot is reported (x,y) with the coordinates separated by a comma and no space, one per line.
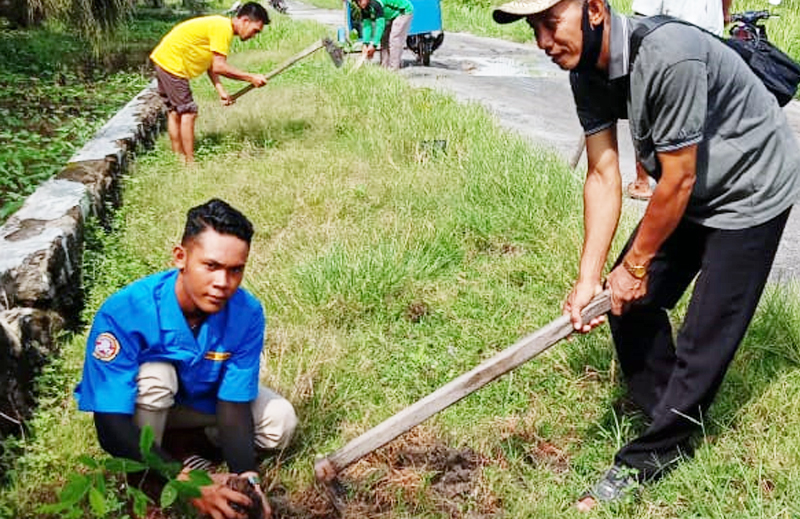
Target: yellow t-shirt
(188,49)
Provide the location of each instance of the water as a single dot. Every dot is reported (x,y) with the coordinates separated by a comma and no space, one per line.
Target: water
(498,67)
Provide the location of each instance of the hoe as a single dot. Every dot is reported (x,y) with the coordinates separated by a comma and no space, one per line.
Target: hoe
(334,51)
(327,468)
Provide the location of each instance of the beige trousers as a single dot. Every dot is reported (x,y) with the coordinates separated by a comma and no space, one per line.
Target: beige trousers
(273,416)
(394,41)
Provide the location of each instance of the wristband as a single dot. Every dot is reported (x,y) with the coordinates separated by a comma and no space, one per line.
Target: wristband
(254,480)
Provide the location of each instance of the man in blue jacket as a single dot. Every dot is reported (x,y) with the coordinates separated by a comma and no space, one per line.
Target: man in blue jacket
(181,349)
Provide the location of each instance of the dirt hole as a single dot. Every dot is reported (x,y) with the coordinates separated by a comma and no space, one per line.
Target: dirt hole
(418,472)
(416,311)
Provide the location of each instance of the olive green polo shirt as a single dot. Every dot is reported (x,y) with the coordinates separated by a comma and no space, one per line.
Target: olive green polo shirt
(686,87)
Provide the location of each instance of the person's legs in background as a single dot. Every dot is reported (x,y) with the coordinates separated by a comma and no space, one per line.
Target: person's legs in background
(385,39)
(187,136)
(181,113)
(640,188)
(397,41)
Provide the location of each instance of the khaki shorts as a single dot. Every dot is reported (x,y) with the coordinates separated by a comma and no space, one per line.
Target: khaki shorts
(175,92)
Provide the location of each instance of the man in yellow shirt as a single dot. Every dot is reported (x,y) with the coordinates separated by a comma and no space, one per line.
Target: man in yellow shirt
(191,48)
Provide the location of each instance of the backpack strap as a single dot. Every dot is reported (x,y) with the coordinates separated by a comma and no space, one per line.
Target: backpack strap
(647,25)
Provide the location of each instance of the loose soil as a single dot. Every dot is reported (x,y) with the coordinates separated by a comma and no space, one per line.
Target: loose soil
(418,469)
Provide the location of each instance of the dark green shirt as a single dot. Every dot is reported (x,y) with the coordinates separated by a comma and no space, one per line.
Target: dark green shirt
(377,13)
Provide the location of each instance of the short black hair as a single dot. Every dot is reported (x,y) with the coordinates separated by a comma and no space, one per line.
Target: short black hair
(221,217)
(253,11)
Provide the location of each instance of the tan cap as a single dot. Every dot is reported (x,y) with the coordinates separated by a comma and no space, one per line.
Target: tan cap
(513,11)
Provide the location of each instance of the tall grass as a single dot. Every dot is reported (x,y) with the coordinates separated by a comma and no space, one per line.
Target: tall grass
(477,19)
(387,267)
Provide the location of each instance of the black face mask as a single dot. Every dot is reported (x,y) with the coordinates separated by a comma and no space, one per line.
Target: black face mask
(592,42)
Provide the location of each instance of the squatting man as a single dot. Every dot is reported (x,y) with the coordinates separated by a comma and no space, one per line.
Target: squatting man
(181,349)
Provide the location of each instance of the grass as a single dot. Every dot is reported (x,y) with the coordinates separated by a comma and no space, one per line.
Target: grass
(387,268)
(51,103)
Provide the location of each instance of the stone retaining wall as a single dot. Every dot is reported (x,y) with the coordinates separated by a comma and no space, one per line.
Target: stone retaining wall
(41,248)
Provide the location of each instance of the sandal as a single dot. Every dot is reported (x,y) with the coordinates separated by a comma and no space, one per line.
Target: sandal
(618,483)
(638,192)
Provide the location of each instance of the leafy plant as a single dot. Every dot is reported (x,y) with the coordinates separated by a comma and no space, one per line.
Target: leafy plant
(95,484)
(51,103)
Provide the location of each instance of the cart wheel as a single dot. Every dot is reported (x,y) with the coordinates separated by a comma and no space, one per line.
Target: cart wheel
(423,46)
(425,50)
(437,41)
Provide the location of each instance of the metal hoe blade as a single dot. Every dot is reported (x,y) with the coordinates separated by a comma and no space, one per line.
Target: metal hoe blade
(334,51)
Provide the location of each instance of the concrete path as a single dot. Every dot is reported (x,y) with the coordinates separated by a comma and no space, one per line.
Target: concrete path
(531,96)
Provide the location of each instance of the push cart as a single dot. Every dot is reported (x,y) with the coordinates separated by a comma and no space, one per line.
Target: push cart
(425,34)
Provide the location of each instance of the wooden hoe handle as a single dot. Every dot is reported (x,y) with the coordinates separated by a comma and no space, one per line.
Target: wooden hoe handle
(283,66)
(522,351)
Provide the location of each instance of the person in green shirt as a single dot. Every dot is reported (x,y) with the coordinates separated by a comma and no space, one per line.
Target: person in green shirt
(385,24)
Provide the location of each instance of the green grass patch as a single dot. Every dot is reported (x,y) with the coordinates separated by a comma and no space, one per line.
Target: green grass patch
(477,19)
(387,267)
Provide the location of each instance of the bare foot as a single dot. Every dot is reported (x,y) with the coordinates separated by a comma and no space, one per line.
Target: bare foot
(639,190)
(586,504)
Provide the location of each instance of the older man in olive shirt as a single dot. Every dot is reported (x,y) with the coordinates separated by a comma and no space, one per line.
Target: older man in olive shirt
(728,171)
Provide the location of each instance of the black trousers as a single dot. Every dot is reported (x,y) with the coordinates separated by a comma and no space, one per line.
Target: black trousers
(675,381)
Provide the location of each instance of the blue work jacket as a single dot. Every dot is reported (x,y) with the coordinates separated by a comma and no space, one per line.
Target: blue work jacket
(144,323)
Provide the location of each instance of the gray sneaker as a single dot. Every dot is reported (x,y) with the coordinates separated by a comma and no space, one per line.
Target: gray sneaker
(619,482)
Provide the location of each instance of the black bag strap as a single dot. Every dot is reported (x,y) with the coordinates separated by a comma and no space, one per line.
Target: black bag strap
(651,23)
(779,73)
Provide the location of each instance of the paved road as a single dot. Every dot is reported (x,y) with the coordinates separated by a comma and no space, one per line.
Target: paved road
(531,96)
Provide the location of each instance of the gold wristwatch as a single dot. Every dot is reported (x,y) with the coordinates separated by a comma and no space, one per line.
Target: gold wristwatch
(637,271)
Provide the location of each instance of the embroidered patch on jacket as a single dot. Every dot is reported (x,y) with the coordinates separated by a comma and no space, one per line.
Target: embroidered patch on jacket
(106,347)
(218,355)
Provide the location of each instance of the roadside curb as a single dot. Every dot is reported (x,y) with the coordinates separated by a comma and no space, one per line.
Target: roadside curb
(42,243)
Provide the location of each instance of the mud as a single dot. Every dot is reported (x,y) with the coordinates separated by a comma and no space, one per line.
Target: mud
(418,472)
(416,311)
(241,485)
